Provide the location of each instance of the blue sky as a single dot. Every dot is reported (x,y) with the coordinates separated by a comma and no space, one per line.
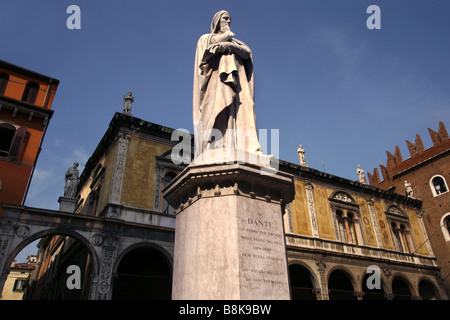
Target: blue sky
(322,77)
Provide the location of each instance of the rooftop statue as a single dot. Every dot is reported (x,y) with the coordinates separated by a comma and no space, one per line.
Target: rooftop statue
(128,99)
(72,179)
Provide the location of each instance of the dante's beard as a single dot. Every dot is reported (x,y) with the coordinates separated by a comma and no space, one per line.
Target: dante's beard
(225,28)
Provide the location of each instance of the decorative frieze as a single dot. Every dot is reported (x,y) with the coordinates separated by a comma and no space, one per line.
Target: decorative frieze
(374,222)
(119,168)
(312,211)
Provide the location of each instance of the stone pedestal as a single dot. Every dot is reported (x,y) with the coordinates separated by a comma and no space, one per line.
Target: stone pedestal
(67,204)
(229,237)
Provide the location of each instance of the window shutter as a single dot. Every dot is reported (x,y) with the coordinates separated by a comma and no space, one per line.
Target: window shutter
(16,144)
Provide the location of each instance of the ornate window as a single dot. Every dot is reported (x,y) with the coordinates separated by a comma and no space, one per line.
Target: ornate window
(346,218)
(11,139)
(438,185)
(400,229)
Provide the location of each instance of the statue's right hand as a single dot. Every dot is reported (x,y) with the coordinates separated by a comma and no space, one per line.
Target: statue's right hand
(229,34)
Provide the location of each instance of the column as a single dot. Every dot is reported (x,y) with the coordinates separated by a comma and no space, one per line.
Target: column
(359,238)
(101,285)
(321,267)
(229,241)
(347,229)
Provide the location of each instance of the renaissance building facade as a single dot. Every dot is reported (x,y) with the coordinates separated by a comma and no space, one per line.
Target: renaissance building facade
(338,232)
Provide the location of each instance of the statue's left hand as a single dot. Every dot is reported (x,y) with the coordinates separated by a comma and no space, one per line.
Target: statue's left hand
(225,46)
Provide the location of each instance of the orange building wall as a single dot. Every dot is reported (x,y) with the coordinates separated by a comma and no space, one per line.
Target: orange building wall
(15,173)
(17,83)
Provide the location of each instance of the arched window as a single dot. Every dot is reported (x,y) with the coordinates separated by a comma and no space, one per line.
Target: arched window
(30,92)
(438,185)
(4,78)
(445,225)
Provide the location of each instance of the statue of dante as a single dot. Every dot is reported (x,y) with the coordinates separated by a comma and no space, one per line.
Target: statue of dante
(72,181)
(223,97)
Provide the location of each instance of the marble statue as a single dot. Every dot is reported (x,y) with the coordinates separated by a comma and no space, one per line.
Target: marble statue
(360,173)
(409,190)
(128,99)
(301,155)
(72,180)
(223,95)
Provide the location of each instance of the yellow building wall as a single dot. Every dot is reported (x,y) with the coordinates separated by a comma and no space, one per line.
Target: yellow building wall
(140,173)
(8,293)
(383,225)
(84,192)
(366,222)
(108,163)
(324,216)
(416,232)
(301,219)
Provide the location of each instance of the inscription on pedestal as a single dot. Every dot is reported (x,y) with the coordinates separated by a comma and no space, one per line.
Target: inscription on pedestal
(262,259)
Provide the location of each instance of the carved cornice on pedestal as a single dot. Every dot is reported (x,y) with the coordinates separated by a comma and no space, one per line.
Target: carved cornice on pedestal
(205,181)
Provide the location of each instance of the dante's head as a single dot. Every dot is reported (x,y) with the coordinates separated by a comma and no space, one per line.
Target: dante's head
(221,22)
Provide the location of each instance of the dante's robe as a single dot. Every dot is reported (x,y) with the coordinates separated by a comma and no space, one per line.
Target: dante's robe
(223,99)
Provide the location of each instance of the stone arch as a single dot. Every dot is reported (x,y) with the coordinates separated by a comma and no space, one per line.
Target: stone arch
(400,285)
(25,235)
(341,284)
(143,271)
(138,245)
(315,285)
(427,289)
(13,252)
